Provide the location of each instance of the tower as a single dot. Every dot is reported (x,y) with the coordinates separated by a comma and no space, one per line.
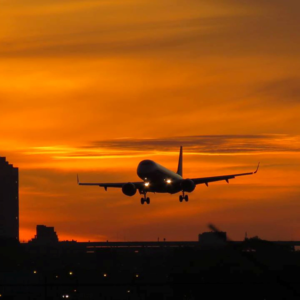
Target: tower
(9,201)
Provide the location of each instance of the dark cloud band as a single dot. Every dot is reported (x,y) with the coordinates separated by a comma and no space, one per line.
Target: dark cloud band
(205,144)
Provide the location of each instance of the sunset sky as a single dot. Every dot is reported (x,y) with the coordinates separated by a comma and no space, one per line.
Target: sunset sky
(94,87)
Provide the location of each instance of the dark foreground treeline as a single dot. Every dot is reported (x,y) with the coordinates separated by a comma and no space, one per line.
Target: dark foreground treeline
(234,272)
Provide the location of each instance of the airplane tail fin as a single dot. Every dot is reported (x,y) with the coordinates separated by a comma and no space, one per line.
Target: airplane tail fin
(179,170)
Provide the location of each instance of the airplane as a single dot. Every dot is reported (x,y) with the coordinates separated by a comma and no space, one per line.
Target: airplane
(158,179)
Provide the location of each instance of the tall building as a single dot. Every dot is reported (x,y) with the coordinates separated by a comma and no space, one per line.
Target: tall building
(9,201)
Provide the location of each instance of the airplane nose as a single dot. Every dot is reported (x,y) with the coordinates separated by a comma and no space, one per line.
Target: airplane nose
(145,167)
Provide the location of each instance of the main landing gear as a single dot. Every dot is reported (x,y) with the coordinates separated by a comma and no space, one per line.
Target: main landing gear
(145,199)
(183,197)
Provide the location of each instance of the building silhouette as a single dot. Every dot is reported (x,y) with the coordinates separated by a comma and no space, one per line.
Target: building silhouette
(9,201)
(45,235)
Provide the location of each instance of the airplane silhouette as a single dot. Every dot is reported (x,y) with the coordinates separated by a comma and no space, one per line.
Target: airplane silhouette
(158,179)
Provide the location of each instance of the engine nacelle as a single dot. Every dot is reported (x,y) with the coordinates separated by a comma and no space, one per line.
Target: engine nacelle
(129,189)
(188,185)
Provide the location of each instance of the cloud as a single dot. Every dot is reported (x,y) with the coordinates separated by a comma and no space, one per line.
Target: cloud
(235,28)
(283,92)
(205,144)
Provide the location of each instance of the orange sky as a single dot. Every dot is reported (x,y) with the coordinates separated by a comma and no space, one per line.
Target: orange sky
(94,87)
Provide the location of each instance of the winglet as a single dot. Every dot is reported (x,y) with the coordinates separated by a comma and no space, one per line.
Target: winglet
(257,168)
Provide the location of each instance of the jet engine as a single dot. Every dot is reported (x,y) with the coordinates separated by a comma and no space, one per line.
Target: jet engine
(129,189)
(188,185)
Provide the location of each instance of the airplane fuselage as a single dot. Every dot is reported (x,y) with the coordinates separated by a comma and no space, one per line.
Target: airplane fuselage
(160,179)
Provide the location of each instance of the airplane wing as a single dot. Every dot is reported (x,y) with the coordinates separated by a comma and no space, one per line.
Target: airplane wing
(206,180)
(138,185)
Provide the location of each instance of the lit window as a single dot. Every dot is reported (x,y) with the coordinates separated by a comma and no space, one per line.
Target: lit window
(34,272)
(71,273)
(104,275)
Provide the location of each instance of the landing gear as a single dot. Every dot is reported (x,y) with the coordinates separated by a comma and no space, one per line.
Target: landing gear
(183,197)
(145,199)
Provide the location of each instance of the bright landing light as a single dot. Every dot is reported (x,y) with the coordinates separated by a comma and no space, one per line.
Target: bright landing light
(147,184)
(169,181)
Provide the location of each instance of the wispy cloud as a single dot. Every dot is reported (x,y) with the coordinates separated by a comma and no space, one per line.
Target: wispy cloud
(283,92)
(202,144)
(233,27)
(208,144)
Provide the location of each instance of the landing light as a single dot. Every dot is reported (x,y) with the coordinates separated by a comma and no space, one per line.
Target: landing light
(147,184)
(169,181)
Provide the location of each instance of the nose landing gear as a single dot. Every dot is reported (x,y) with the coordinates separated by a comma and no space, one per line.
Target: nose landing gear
(183,197)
